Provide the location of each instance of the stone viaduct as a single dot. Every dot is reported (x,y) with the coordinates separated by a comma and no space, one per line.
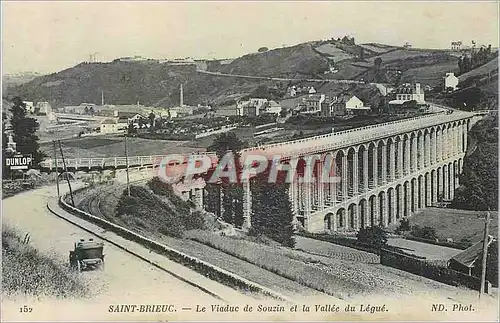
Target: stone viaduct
(385,171)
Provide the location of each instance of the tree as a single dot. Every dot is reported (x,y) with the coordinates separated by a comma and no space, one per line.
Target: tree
(91,111)
(272,214)
(131,129)
(404,225)
(263,49)
(374,236)
(377,62)
(466,63)
(86,110)
(478,188)
(5,153)
(461,65)
(232,193)
(23,130)
(424,233)
(151,119)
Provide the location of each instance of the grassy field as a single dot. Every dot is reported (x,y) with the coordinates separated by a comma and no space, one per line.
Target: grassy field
(27,272)
(348,280)
(481,70)
(48,135)
(377,48)
(332,51)
(323,248)
(455,224)
(432,75)
(305,269)
(105,146)
(400,54)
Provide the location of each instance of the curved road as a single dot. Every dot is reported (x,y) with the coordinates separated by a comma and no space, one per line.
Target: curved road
(125,279)
(270,78)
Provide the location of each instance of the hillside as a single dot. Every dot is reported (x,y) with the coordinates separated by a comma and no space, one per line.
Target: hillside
(157,84)
(483,70)
(300,60)
(12,80)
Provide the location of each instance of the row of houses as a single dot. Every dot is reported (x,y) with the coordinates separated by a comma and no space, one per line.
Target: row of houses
(255,107)
(347,104)
(331,106)
(112,111)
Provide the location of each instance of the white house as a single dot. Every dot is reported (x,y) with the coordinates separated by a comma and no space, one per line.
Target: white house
(113,126)
(173,113)
(181,111)
(273,108)
(311,104)
(252,107)
(450,81)
(44,108)
(30,108)
(409,92)
(356,107)
(456,45)
(312,90)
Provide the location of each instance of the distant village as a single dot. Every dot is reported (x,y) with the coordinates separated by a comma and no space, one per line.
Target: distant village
(408,98)
(299,100)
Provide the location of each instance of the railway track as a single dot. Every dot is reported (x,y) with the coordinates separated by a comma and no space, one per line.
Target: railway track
(91,203)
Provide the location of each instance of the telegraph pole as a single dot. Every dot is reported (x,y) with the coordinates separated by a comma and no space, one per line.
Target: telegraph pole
(67,175)
(57,170)
(126,163)
(485,252)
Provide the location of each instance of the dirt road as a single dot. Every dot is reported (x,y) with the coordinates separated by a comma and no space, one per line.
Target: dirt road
(125,279)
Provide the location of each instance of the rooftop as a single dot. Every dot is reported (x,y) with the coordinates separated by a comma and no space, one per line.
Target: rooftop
(470,255)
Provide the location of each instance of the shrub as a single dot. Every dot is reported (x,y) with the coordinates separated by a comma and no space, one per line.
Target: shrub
(425,232)
(375,236)
(404,225)
(144,209)
(163,189)
(174,227)
(195,220)
(272,212)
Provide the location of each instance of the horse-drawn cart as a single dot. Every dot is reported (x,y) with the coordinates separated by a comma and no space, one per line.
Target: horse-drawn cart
(87,255)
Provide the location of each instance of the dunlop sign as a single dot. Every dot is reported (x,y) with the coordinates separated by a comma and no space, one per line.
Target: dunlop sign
(18,162)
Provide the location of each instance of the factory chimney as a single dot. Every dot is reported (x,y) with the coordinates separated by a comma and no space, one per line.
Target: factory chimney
(102,98)
(182,98)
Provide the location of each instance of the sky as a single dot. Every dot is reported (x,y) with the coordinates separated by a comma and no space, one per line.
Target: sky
(47,37)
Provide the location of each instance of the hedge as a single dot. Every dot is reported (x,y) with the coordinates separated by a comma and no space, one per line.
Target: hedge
(352,243)
(438,243)
(425,269)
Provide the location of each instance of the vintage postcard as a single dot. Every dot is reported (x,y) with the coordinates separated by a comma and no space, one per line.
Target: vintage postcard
(249,161)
